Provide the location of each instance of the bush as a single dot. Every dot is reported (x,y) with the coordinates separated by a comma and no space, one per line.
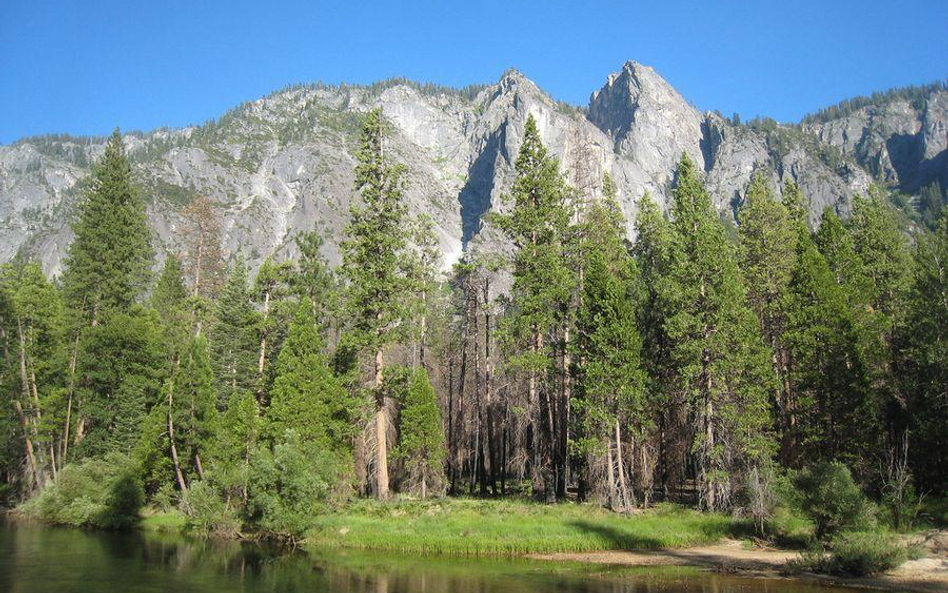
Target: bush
(864,554)
(855,553)
(830,497)
(289,486)
(102,492)
(207,512)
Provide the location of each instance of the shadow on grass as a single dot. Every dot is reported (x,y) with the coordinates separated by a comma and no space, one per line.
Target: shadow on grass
(617,539)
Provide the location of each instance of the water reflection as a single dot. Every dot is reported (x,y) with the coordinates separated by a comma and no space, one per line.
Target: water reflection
(38,559)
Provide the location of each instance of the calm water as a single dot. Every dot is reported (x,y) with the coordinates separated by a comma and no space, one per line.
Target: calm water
(38,559)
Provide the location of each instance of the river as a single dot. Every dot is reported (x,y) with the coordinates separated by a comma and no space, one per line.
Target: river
(39,559)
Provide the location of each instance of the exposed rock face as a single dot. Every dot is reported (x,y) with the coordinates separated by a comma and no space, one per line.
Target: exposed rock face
(284,163)
(897,142)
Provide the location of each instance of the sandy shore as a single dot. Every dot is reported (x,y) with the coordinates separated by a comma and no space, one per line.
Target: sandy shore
(925,575)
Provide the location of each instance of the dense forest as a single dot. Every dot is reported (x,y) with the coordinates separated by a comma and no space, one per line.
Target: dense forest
(700,364)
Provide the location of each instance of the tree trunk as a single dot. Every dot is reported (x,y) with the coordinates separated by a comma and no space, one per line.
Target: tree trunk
(179,476)
(39,477)
(381,444)
(198,466)
(623,485)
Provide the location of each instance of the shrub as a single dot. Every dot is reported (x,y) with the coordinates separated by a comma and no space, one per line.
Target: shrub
(207,512)
(865,553)
(289,486)
(102,492)
(854,553)
(830,497)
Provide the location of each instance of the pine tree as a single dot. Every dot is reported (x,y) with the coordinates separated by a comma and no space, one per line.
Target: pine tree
(372,254)
(34,323)
(768,253)
(307,398)
(123,363)
(271,287)
(194,406)
(421,443)
(611,389)
(865,356)
(653,252)
(170,300)
(233,337)
(543,287)
(832,400)
(314,279)
(925,359)
(721,363)
(883,248)
(108,265)
(235,438)
(204,255)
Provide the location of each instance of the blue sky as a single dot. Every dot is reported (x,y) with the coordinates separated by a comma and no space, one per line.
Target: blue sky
(85,67)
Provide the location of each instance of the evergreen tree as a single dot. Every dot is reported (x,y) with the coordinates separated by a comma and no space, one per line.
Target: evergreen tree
(234,441)
(233,338)
(653,251)
(543,286)
(721,363)
(307,398)
(421,445)
(122,361)
(271,287)
(108,265)
(34,323)
(611,394)
(372,254)
(880,243)
(170,300)
(314,279)
(194,406)
(865,357)
(768,252)
(925,359)
(832,404)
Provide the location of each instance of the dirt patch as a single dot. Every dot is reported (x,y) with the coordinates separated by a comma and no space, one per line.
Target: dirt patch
(924,575)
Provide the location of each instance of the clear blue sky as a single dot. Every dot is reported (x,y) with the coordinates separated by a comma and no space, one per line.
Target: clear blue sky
(85,67)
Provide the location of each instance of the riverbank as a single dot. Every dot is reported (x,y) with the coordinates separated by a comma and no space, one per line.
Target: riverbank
(925,575)
(666,535)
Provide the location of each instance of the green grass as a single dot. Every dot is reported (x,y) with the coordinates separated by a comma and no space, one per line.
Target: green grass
(472,527)
(163,521)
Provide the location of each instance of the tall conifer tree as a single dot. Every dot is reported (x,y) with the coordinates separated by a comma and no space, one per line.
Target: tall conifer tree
(721,362)
(372,256)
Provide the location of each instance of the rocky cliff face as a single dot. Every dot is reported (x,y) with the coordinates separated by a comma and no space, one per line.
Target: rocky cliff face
(284,163)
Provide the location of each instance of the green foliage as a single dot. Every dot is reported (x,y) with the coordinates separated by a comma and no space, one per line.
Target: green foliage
(290,485)
(235,437)
(421,443)
(194,408)
(831,498)
(122,361)
(314,279)
(233,337)
(375,242)
(865,553)
(307,398)
(924,359)
(109,261)
(102,492)
(207,513)
(855,554)
(721,365)
(611,384)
